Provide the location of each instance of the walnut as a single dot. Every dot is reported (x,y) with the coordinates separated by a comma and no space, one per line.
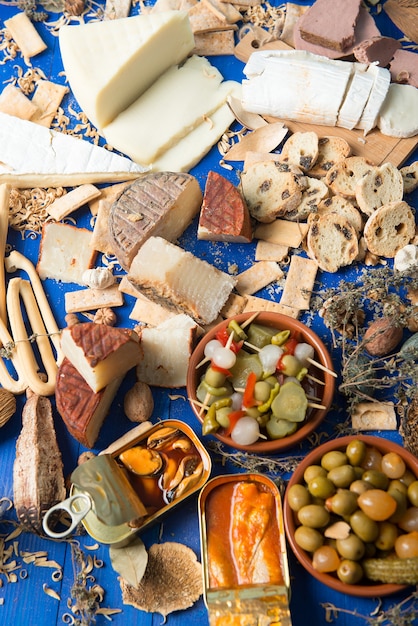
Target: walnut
(105,316)
(74,7)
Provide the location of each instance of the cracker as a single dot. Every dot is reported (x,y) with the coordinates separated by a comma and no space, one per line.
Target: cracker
(261,304)
(71,201)
(100,240)
(214,43)
(374,416)
(92,299)
(47,98)
(257,277)
(299,283)
(204,20)
(14,102)
(266,251)
(148,312)
(234,305)
(282,232)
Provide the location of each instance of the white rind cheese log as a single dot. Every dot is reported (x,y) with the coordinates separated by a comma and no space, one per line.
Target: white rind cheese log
(34,156)
(306,87)
(167,274)
(109,64)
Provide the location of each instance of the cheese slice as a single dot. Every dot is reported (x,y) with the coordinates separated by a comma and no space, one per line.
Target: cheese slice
(295,85)
(355,100)
(109,64)
(172,107)
(378,93)
(34,156)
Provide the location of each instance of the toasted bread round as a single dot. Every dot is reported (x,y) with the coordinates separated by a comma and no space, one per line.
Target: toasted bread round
(314,193)
(382,185)
(332,242)
(272,189)
(390,228)
(301,149)
(344,176)
(410,177)
(344,207)
(331,150)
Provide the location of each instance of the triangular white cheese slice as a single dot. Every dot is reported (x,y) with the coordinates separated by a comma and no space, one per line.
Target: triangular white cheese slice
(34,156)
(109,64)
(378,93)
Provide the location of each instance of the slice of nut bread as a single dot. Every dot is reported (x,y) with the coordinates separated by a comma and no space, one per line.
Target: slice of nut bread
(380,186)
(332,242)
(314,193)
(301,149)
(344,207)
(343,177)
(410,177)
(331,150)
(390,228)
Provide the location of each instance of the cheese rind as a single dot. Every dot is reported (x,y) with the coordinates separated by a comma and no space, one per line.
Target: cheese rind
(110,63)
(34,156)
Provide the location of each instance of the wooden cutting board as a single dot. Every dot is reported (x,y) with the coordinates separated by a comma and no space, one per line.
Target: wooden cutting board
(375,147)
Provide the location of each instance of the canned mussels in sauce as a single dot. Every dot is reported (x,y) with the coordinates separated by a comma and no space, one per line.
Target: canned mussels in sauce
(165,465)
(244,557)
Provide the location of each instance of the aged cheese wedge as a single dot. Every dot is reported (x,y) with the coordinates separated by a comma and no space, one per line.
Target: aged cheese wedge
(169,275)
(34,156)
(295,85)
(82,410)
(167,350)
(101,353)
(173,106)
(161,203)
(110,63)
(224,215)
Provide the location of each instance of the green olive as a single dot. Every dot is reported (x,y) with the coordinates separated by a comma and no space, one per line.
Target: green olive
(344,502)
(356,452)
(378,479)
(262,391)
(399,485)
(350,572)
(308,539)
(290,365)
(408,477)
(413,493)
(321,487)
(313,515)
(401,500)
(342,476)
(222,416)
(352,547)
(364,527)
(298,496)
(387,536)
(332,459)
(313,470)
(360,486)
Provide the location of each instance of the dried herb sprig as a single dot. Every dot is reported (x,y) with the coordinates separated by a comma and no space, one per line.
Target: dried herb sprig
(403,613)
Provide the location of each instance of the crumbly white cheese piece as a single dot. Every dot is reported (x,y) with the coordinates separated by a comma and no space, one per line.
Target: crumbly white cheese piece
(109,64)
(34,156)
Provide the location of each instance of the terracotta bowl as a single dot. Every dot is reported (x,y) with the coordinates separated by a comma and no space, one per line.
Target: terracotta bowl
(324,392)
(371,589)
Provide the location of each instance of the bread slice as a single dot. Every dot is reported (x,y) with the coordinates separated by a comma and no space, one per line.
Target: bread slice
(101,353)
(315,192)
(331,150)
(224,215)
(344,176)
(83,411)
(168,275)
(342,206)
(332,242)
(301,149)
(390,228)
(382,185)
(272,189)
(410,177)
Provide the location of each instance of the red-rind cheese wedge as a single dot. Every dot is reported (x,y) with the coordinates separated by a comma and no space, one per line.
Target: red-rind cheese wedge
(82,410)
(224,215)
(101,353)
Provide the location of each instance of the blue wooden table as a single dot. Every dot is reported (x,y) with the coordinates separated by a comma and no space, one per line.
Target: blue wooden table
(25,598)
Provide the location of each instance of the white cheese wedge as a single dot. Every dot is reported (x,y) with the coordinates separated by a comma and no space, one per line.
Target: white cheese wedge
(355,100)
(399,114)
(170,109)
(34,156)
(110,63)
(381,82)
(295,85)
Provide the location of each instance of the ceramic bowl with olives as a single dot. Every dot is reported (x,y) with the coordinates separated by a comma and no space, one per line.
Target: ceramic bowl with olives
(351,515)
(260,382)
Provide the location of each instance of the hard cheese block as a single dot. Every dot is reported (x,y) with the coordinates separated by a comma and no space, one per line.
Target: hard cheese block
(109,64)
(162,203)
(100,353)
(173,106)
(34,156)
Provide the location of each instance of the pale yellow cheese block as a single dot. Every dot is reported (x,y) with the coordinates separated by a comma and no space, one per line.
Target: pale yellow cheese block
(109,64)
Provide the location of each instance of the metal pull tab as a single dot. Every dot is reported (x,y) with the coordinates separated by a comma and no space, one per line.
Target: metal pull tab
(77,506)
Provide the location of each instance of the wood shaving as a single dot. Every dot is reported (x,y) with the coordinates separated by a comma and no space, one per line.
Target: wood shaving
(266,16)
(28,208)
(172,580)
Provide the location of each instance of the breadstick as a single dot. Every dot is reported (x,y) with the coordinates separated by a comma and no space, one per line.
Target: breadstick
(4,225)
(19,287)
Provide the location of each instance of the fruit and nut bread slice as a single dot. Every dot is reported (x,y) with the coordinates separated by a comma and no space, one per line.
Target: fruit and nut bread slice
(332,242)
(380,186)
(301,149)
(331,150)
(344,176)
(410,177)
(344,207)
(390,228)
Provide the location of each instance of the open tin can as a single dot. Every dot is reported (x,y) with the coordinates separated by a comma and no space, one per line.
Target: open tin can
(244,556)
(129,486)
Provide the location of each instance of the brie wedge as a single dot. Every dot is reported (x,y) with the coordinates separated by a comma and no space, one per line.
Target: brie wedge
(34,156)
